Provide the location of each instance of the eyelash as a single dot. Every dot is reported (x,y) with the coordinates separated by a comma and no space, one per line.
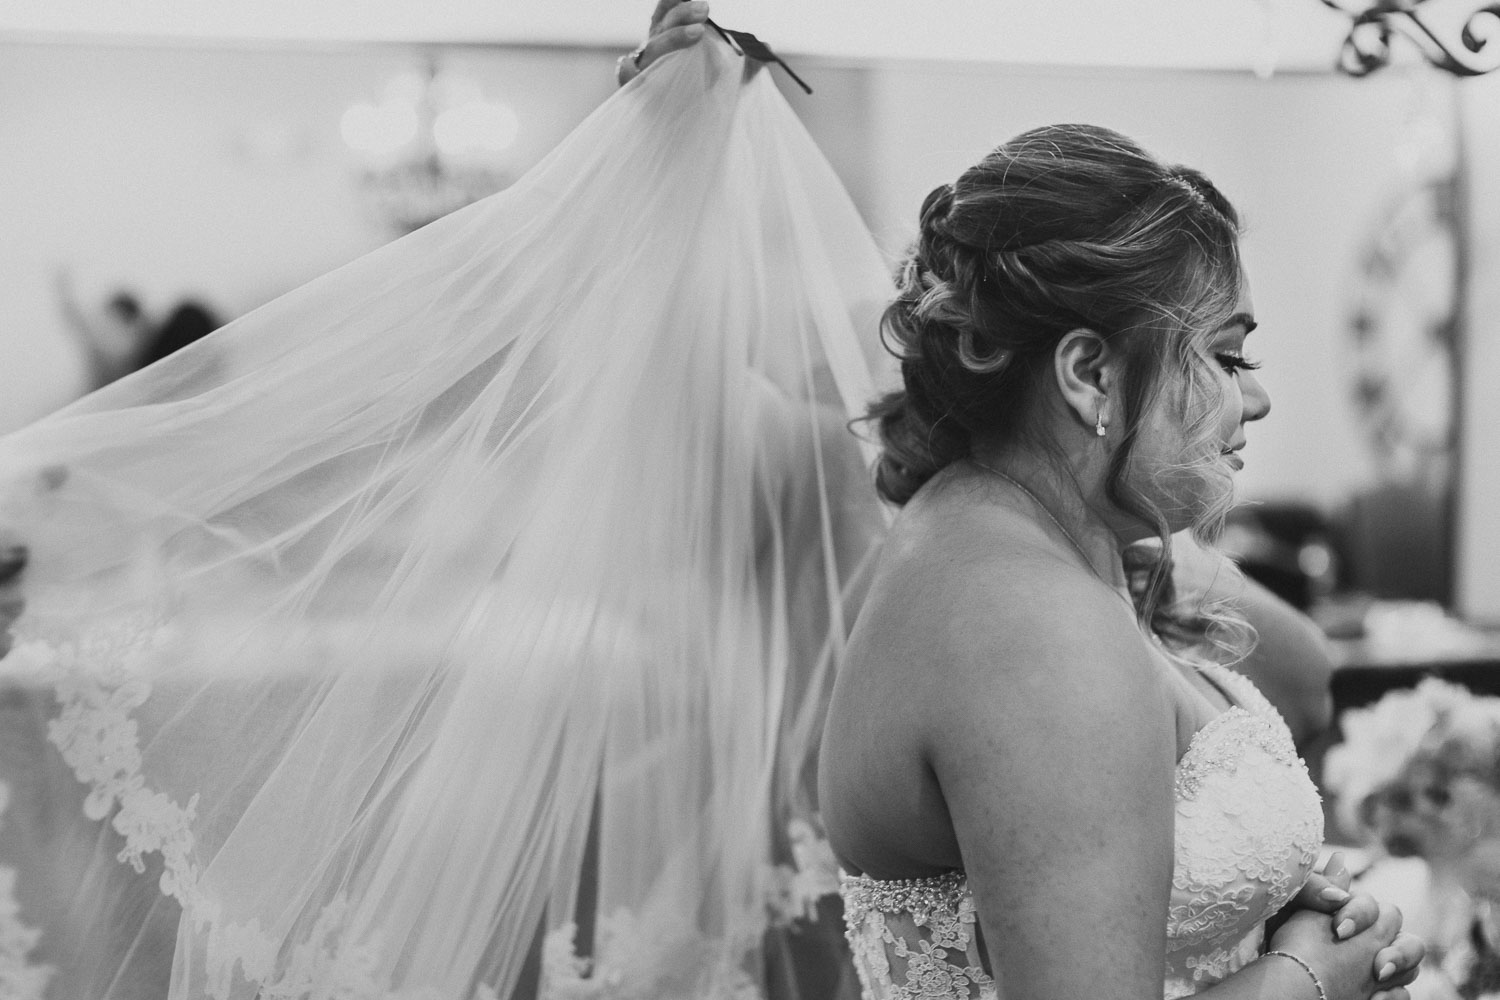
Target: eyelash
(1232,363)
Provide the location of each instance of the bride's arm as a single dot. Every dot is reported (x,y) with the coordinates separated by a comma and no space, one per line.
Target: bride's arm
(1053,739)
(1291,662)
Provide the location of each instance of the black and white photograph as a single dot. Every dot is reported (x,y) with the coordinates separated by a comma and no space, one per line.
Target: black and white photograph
(749,500)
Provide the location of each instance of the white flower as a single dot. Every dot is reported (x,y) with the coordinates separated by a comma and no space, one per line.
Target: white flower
(1443,720)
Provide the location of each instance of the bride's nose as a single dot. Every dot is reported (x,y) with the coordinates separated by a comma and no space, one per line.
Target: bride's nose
(1257,401)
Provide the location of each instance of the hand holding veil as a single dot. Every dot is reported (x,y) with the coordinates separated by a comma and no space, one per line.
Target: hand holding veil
(359,611)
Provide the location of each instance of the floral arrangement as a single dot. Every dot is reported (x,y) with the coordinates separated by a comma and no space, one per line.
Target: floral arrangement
(1420,770)
(1419,774)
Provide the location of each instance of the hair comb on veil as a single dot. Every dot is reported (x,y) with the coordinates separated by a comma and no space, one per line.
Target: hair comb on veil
(751,47)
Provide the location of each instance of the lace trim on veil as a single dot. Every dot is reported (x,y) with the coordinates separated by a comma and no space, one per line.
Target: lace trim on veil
(637,960)
(634,961)
(98,684)
(20,978)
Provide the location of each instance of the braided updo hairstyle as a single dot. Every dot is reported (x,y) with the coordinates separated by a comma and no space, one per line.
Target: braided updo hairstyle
(1062,227)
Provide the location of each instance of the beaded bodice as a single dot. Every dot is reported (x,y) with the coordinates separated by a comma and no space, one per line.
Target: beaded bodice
(1248,826)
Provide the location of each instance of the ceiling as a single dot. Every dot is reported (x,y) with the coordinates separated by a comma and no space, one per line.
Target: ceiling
(1220,34)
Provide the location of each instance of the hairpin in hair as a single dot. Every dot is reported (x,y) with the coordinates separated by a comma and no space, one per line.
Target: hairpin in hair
(751,47)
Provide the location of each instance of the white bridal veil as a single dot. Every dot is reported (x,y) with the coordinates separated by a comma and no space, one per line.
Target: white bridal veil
(362,611)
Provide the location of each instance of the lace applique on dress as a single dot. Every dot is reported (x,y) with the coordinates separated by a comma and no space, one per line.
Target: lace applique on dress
(915,939)
(1248,826)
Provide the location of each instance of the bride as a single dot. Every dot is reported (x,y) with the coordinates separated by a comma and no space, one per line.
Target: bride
(1033,786)
(463,624)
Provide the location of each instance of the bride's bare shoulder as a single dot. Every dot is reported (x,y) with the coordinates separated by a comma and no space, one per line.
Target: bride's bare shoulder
(974,595)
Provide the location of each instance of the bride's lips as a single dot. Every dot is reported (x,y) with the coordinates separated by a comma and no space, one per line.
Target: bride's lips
(1232,454)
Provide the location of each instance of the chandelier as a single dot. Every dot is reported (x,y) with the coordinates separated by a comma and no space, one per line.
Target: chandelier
(1457,37)
(432,145)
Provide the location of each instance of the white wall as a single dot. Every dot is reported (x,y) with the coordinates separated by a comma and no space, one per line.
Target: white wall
(1184,33)
(1479,498)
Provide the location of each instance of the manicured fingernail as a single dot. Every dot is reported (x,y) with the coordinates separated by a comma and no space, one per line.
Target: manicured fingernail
(1334,894)
(1344,930)
(1387,970)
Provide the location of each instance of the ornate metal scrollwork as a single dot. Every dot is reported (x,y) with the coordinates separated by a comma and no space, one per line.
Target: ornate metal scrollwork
(1368,45)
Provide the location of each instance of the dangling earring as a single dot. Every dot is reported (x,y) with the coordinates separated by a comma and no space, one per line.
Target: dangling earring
(1099,422)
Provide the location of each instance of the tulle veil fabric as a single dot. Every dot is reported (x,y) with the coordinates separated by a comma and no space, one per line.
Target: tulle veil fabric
(362,611)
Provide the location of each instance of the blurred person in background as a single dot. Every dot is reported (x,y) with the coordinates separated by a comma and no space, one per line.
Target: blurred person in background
(118,335)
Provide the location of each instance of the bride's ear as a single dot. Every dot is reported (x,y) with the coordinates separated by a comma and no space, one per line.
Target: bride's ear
(1084,367)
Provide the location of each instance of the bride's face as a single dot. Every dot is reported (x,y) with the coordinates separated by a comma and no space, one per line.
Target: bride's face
(1188,451)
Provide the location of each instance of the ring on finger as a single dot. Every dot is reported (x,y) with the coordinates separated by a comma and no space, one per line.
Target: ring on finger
(635,55)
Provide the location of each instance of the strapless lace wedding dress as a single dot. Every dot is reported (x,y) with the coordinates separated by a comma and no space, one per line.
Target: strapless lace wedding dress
(1248,828)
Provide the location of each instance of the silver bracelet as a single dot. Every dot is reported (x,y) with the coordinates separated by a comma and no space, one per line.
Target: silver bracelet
(1317,983)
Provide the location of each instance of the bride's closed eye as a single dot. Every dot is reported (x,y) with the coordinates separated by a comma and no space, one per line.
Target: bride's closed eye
(1232,363)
